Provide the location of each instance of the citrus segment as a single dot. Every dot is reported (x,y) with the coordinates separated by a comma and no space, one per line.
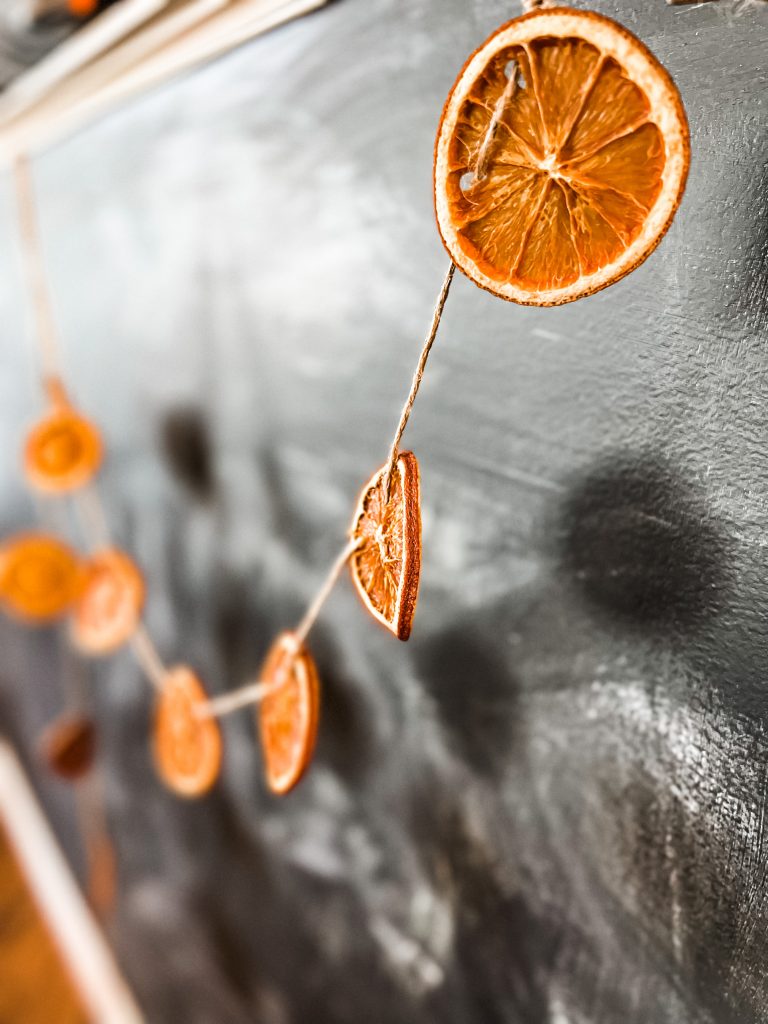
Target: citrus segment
(611,106)
(288,715)
(561,158)
(62,452)
(385,566)
(110,604)
(40,577)
(68,746)
(187,743)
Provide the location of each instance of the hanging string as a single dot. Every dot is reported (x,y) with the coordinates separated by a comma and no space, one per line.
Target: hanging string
(147,656)
(253,693)
(34,270)
(310,616)
(92,516)
(484,153)
(417,379)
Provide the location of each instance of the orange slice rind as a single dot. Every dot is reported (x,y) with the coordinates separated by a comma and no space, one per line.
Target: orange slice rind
(288,714)
(63,452)
(40,577)
(109,607)
(584,165)
(386,564)
(187,744)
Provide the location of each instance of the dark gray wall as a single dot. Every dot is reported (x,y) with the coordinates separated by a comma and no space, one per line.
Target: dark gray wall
(549,806)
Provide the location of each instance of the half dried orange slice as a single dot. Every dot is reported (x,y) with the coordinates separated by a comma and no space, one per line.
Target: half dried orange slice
(288,715)
(187,743)
(62,452)
(110,604)
(561,158)
(385,566)
(40,577)
(68,746)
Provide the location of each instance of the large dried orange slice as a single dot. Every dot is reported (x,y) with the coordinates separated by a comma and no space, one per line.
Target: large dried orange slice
(289,713)
(40,577)
(109,607)
(561,157)
(187,744)
(62,452)
(386,564)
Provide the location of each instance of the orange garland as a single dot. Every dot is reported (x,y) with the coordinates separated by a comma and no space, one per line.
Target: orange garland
(497,140)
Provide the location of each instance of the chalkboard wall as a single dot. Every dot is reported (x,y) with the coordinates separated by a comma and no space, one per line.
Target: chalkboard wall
(549,805)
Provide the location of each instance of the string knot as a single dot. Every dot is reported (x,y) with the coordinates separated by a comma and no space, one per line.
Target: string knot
(537,5)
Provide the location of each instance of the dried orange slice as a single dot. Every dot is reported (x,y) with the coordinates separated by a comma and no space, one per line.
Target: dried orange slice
(62,452)
(82,8)
(288,715)
(68,746)
(40,577)
(187,745)
(561,158)
(109,607)
(386,565)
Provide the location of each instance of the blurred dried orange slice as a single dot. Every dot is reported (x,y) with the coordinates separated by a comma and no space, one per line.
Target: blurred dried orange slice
(187,744)
(109,607)
(385,567)
(63,451)
(561,158)
(40,577)
(289,714)
(83,8)
(68,746)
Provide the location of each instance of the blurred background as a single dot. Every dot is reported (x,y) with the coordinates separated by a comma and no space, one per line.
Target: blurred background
(547,806)
(29,29)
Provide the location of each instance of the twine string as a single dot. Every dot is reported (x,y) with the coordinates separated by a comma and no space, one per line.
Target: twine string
(251,693)
(254,693)
(93,517)
(484,153)
(481,168)
(148,658)
(34,271)
(310,616)
(418,376)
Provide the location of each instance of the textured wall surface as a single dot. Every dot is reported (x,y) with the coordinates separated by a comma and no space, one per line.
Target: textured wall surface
(548,806)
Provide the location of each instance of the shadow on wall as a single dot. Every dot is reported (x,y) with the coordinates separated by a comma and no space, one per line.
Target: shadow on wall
(476,695)
(186,445)
(640,542)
